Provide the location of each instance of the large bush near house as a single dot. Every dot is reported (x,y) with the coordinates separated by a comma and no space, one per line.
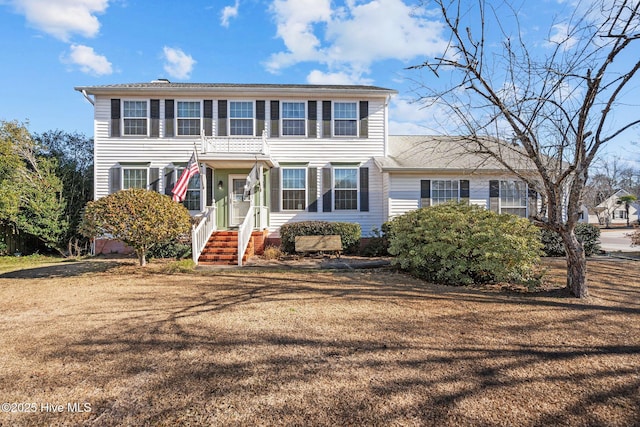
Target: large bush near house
(349,233)
(458,244)
(140,218)
(588,234)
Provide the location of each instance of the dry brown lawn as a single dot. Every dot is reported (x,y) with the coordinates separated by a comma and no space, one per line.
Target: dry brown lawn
(265,347)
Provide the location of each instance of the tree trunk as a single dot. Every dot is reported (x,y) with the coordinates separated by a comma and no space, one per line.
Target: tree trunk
(142,257)
(576,265)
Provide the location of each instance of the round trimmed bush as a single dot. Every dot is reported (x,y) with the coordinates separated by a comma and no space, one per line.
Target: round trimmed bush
(459,244)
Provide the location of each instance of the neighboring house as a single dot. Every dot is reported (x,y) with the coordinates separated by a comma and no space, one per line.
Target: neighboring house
(308,152)
(612,211)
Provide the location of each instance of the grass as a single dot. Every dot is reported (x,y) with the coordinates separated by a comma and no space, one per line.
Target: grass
(246,347)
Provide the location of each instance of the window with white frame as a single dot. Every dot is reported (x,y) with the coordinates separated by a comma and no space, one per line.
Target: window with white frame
(134,117)
(134,178)
(188,118)
(443,191)
(620,214)
(294,189)
(241,118)
(345,188)
(293,118)
(345,119)
(513,198)
(192,197)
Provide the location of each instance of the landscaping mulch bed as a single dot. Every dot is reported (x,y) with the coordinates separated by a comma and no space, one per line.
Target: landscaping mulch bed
(133,346)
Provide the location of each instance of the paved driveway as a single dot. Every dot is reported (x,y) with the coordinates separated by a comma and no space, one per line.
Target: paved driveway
(615,240)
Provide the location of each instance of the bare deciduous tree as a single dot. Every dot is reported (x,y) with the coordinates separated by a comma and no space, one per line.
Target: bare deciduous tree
(556,110)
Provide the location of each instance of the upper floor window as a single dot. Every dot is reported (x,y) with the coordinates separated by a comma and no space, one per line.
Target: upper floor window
(345,188)
(241,118)
(443,191)
(134,117)
(345,119)
(513,198)
(188,117)
(294,189)
(134,178)
(293,118)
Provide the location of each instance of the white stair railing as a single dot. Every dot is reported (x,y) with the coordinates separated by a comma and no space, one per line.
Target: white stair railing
(251,221)
(200,234)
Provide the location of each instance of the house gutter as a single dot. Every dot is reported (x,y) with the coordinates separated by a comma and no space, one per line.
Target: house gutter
(87,97)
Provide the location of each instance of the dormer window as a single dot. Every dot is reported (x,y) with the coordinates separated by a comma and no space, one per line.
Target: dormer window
(188,118)
(134,117)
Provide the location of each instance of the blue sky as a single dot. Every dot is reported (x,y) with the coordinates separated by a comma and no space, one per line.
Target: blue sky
(50,46)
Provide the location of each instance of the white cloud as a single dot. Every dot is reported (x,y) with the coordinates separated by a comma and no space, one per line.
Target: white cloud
(178,64)
(561,36)
(88,60)
(352,36)
(62,18)
(229,12)
(317,77)
(411,117)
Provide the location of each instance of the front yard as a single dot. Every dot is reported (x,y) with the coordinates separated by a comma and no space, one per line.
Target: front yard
(102,342)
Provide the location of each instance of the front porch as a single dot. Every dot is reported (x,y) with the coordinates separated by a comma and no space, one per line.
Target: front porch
(235,199)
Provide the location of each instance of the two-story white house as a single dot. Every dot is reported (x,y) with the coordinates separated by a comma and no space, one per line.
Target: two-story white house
(314,152)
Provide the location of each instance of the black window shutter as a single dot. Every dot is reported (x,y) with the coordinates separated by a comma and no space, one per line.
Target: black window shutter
(154,114)
(275,119)
(464,188)
(115,117)
(169,180)
(207,106)
(494,188)
(326,190)
(312,119)
(154,178)
(313,190)
(222,117)
(425,193)
(494,195)
(209,181)
(326,119)
(260,117)
(364,119)
(364,189)
(274,178)
(168,118)
(115,180)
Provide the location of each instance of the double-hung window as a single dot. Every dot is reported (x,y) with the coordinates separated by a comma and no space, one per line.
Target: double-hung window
(134,178)
(192,197)
(241,118)
(293,118)
(513,197)
(345,119)
(294,189)
(443,191)
(345,188)
(134,117)
(188,118)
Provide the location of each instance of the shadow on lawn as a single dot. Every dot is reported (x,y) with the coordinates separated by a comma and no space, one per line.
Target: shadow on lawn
(212,356)
(62,269)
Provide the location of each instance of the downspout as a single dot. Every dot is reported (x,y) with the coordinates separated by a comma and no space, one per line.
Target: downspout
(88,98)
(386,125)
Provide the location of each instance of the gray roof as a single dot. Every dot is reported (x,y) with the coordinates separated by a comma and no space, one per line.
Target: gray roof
(447,153)
(166,86)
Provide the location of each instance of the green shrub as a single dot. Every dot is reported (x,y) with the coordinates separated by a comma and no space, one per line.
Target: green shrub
(349,233)
(170,249)
(378,243)
(588,234)
(462,244)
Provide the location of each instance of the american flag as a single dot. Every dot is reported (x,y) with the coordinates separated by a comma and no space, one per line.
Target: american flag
(180,189)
